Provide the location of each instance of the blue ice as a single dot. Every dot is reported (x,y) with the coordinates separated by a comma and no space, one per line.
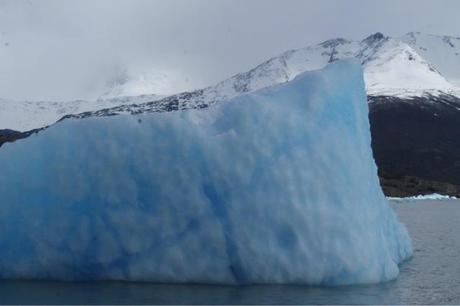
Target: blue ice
(276,186)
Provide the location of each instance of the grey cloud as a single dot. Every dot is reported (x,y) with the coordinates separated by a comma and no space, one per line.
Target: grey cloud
(53,49)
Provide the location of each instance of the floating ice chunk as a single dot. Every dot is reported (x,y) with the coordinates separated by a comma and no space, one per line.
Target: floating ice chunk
(433,196)
(277,186)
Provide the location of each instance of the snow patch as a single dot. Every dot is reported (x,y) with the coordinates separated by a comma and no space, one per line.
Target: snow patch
(24,116)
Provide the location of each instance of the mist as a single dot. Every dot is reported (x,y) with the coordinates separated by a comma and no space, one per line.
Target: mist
(66,50)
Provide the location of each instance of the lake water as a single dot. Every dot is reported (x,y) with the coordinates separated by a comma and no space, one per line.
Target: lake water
(432,276)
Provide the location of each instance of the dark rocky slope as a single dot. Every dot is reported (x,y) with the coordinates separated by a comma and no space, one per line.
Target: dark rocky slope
(416,144)
(11,136)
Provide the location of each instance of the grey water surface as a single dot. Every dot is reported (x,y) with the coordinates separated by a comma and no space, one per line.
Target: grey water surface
(432,276)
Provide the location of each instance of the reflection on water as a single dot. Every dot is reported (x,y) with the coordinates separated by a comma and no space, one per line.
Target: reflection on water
(432,276)
(141,293)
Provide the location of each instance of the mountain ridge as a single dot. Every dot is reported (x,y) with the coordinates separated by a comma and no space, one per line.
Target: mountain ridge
(287,65)
(392,67)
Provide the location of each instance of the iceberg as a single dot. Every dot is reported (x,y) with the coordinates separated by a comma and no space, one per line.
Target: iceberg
(275,186)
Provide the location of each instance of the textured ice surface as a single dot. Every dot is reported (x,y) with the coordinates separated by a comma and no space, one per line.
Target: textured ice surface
(277,186)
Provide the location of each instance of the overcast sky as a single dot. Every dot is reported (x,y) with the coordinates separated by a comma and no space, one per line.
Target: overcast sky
(63,50)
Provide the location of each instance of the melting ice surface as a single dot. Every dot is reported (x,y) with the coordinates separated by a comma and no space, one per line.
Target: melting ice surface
(277,186)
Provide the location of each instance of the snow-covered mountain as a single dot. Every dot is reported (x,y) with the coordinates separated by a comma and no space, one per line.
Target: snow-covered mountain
(141,83)
(28,115)
(394,68)
(443,52)
(413,65)
(391,68)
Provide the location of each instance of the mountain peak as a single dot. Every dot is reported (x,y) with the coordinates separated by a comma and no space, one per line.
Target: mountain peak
(371,39)
(332,43)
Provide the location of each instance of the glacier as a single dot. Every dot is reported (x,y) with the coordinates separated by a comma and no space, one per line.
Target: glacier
(275,186)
